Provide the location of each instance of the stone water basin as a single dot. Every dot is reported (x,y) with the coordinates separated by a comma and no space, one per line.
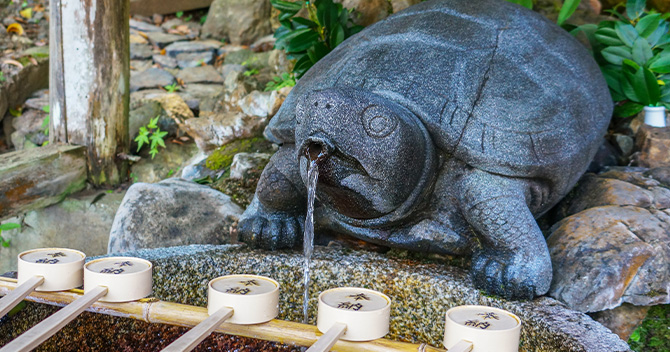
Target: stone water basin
(422,291)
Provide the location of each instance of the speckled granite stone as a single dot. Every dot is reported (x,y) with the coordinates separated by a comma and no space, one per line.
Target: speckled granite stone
(421,292)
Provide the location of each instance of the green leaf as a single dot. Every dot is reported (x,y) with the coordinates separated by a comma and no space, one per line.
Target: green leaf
(662,64)
(568,8)
(153,123)
(9,226)
(616,54)
(653,89)
(642,51)
(153,153)
(46,109)
(608,36)
(305,22)
(655,37)
(648,24)
(630,65)
(635,8)
(627,109)
(613,78)
(286,39)
(336,36)
(302,65)
(626,33)
(525,3)
(317,52)
(287,6)
(302,42)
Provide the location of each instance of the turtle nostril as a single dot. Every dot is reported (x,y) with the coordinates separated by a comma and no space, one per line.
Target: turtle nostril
(316,103)
(328,106)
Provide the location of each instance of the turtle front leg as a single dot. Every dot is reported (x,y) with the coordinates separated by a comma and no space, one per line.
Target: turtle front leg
(275,217)
(513,261)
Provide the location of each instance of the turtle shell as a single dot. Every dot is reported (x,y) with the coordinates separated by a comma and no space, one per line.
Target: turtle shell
(497,86)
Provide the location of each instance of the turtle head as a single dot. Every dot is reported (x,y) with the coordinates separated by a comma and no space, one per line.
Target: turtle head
(372,152)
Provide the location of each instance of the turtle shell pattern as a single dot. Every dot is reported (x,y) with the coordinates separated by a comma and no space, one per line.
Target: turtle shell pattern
(497,86)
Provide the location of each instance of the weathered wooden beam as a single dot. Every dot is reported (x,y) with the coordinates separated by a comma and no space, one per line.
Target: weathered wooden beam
(35,178)
(90,74)
(162,7)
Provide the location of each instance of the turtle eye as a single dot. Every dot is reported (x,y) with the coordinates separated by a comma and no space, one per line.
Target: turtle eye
(379,122)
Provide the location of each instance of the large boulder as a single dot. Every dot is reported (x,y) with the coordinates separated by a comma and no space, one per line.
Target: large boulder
(170,213)
(238,21)
(610,254)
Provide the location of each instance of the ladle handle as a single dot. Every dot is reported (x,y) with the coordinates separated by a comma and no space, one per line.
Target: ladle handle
(461,346)
(328,340)
(18,294)
(189,340)
(49,326)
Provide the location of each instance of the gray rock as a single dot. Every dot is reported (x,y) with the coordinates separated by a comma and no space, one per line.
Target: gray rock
(143,26)
(264,104)
(168,163)
(432,126)
(216,130)
(172,23)
(141,51)
(200,74)
(248,58)
(151,78)
(38,100)
(60,225)
(29,121)
(207,95)
(186,60)
(140,65)
(228,68)
(239,21)
(162,40)
(165,61)
(244,162)
(613,249)
(177,48)
(197,169)
(169,213)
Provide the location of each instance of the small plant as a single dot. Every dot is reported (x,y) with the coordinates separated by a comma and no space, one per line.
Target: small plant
(634,56)
(279,82)
(251,72)
(179,14)
(188,18)
(2,77)
(203,19)
(174,87)
(308,40)
(152,135)
(4,227)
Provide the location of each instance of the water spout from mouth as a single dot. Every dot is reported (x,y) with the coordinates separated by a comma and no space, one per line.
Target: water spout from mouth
(308,239)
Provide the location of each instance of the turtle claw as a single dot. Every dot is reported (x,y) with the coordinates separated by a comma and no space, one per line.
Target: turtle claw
(518,276)
(269,230)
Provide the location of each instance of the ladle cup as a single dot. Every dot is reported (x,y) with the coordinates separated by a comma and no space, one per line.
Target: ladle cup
(240,299)
(351,314)
(45,269)
(115,279)
(481,329)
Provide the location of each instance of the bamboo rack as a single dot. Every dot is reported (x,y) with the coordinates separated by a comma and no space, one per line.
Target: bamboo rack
(154,311)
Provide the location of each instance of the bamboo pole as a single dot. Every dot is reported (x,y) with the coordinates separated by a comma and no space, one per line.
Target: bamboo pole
(159,312)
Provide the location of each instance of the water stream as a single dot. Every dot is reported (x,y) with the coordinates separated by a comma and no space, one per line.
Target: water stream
(308,244)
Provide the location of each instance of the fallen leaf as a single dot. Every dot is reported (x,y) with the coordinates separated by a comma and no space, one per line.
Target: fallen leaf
(26,13)
(162,51)
(38,8)
(143,35)
(15,28)
(32,60)
(12,62)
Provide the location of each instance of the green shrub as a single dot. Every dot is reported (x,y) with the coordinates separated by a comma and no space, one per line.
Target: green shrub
(309,40)
(634,56)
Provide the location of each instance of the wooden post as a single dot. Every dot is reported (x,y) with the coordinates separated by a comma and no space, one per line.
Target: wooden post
(89,80)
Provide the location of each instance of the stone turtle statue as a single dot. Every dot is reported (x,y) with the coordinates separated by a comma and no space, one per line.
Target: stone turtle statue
(446,128)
